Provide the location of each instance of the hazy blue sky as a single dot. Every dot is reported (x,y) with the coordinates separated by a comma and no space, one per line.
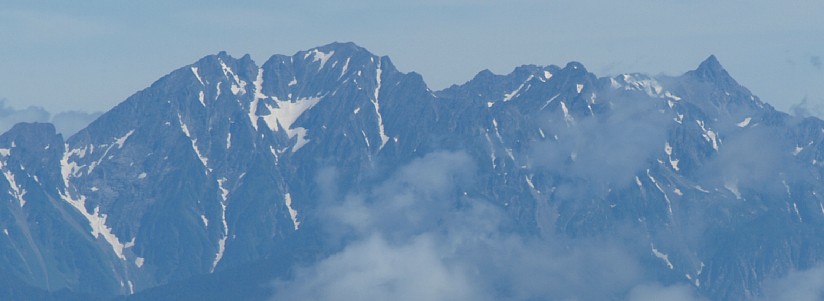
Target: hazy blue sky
(90,55)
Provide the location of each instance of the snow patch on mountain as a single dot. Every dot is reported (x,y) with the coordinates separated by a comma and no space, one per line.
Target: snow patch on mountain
(97,222)
(293,214)
(284,115)
(238,85)
(221,243)
(345,68)
(744,122)
(376,103)
(197,75)
(660,255)
(119,141)
(668,151)
(318,55)
(510,95)
(17,191)
(139,262)
(567,117)
(708,134)
(203,159)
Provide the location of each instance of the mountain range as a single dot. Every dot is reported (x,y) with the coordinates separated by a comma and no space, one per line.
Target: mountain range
(331,175)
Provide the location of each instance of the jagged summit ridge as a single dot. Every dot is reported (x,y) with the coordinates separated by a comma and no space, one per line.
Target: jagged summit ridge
(711,63)
(711,71)
(227,163)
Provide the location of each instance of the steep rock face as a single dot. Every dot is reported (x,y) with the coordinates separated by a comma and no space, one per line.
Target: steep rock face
(46,242)
(212,165)
(216,166)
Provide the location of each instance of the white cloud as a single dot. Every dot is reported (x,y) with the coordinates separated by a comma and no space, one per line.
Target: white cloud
(657,292)
(806,285)
(415,236)
(374,269)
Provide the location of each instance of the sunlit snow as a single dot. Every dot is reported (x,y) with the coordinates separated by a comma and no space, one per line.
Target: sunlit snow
(662,256)
(744,123)
(292,212)
(319,56)
(376,102)
(285,115)
(194,71)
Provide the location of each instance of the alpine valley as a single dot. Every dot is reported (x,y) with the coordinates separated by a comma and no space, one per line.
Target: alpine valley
(331,175)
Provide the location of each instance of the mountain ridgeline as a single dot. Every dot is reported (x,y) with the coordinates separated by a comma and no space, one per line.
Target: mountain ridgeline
(228,179)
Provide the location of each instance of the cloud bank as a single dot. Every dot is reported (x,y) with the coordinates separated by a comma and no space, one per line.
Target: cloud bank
(417,236)
(800,285)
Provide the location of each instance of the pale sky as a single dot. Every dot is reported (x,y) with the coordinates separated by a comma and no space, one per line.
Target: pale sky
(91,55)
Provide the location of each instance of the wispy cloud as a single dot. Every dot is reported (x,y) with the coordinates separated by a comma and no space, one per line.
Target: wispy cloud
(417,236)
(656,292)
(10,116)
(66,123)
(799,285)
(805,109)
(604,150)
